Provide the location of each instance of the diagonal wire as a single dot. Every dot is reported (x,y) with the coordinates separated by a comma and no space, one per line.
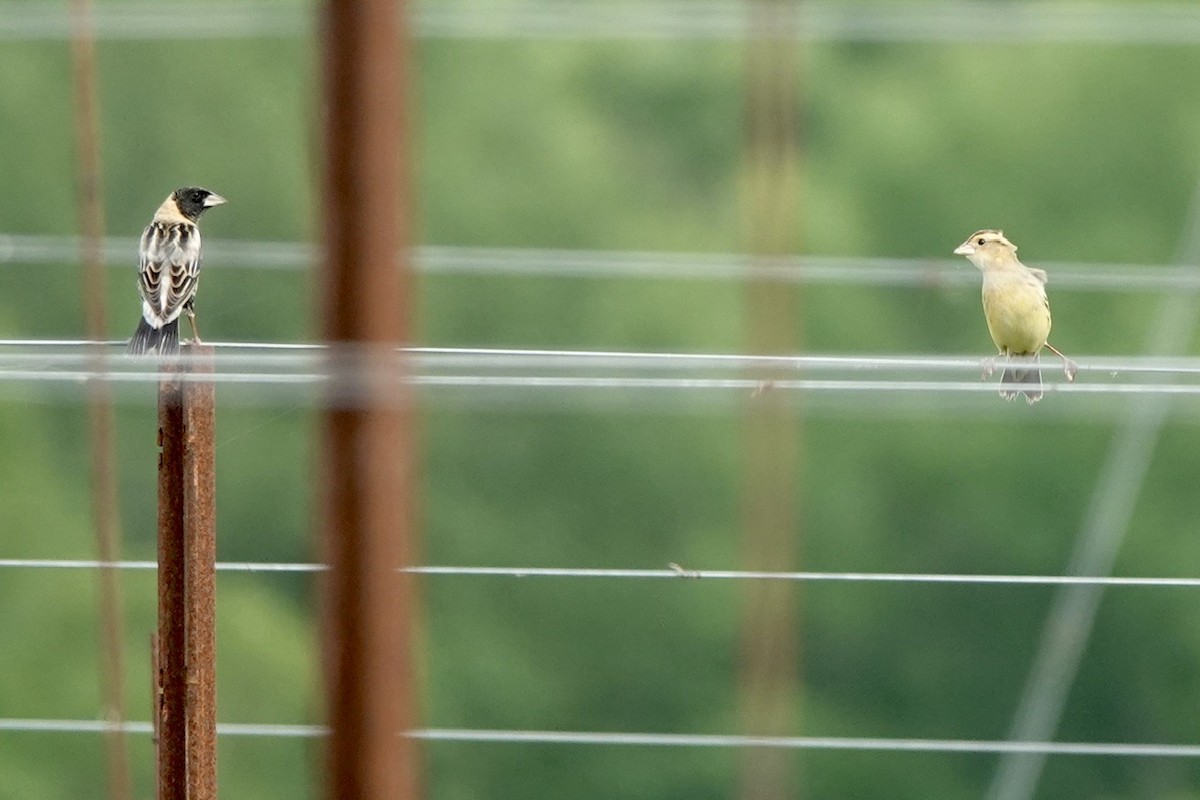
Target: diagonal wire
(1073,611)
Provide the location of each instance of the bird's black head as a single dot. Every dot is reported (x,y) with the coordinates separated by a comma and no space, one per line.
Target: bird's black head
(194,201)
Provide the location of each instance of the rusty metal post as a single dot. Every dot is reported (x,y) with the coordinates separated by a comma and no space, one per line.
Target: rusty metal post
(105,513)
(200,547)
(769,663)
(184,651)
(171,697)
(367,466)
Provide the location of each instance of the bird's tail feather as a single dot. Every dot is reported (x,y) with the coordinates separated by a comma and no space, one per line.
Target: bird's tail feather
(1025,380)
(148,339)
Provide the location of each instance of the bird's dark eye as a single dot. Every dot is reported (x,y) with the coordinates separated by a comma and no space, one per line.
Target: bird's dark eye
(980,241)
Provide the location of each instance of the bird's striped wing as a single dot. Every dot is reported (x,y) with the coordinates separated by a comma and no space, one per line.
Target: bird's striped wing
(168,270)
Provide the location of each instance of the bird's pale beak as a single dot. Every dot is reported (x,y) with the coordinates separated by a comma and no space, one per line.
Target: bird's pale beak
(214,200)
(965,249)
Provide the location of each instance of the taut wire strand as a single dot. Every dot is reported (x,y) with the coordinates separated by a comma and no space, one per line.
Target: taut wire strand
(66,359)
(604,738)
(18,249)
(672,572)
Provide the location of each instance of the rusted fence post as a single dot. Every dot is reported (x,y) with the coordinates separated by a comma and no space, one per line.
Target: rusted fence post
(106,514)
(769,650)
(185,718)
(367,481)
(172,612)
(367,431)
(200,556)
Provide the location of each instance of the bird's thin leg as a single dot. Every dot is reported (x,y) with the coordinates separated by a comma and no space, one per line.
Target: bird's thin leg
(1070,368)
(192,319)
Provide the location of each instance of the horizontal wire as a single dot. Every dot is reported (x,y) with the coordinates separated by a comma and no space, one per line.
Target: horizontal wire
(1126,749)
(744,385)
(813,743)
(673,572)
(586,385)
(103,726)
(84,563)
(355,376)
(841,577)
(19,249)
(708,20)
(749,385)
(309,362)
(347,371)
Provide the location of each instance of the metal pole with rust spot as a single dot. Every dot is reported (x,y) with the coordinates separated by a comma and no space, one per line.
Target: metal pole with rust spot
(171,697)
(185,713)
(200,556)
(367,482)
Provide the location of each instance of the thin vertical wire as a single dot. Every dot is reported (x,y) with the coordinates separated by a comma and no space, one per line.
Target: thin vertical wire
(105,514)
(768,667)
(1073,612)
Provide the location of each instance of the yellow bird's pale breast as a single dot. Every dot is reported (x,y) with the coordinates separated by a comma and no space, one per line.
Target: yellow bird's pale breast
(1017,312)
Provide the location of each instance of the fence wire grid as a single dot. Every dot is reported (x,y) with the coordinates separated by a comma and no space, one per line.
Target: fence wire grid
(1142,395)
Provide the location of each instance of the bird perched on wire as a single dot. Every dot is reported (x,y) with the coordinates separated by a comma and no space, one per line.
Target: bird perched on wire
(169,269)
(1017,312)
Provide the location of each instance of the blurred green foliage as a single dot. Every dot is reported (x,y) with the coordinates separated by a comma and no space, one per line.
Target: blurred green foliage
(1080,152)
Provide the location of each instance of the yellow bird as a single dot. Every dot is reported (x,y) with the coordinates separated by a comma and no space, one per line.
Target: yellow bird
(1017,312)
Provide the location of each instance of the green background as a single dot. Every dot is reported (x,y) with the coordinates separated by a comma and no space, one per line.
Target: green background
(1082,152)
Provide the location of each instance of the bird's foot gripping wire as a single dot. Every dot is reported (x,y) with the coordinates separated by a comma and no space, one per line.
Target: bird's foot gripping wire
(987,368)
(1070,368)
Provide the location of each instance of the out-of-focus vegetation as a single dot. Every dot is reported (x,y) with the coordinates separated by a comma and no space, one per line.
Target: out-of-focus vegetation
(1080,152)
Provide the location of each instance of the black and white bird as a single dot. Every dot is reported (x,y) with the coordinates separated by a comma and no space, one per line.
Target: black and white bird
(169,269)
